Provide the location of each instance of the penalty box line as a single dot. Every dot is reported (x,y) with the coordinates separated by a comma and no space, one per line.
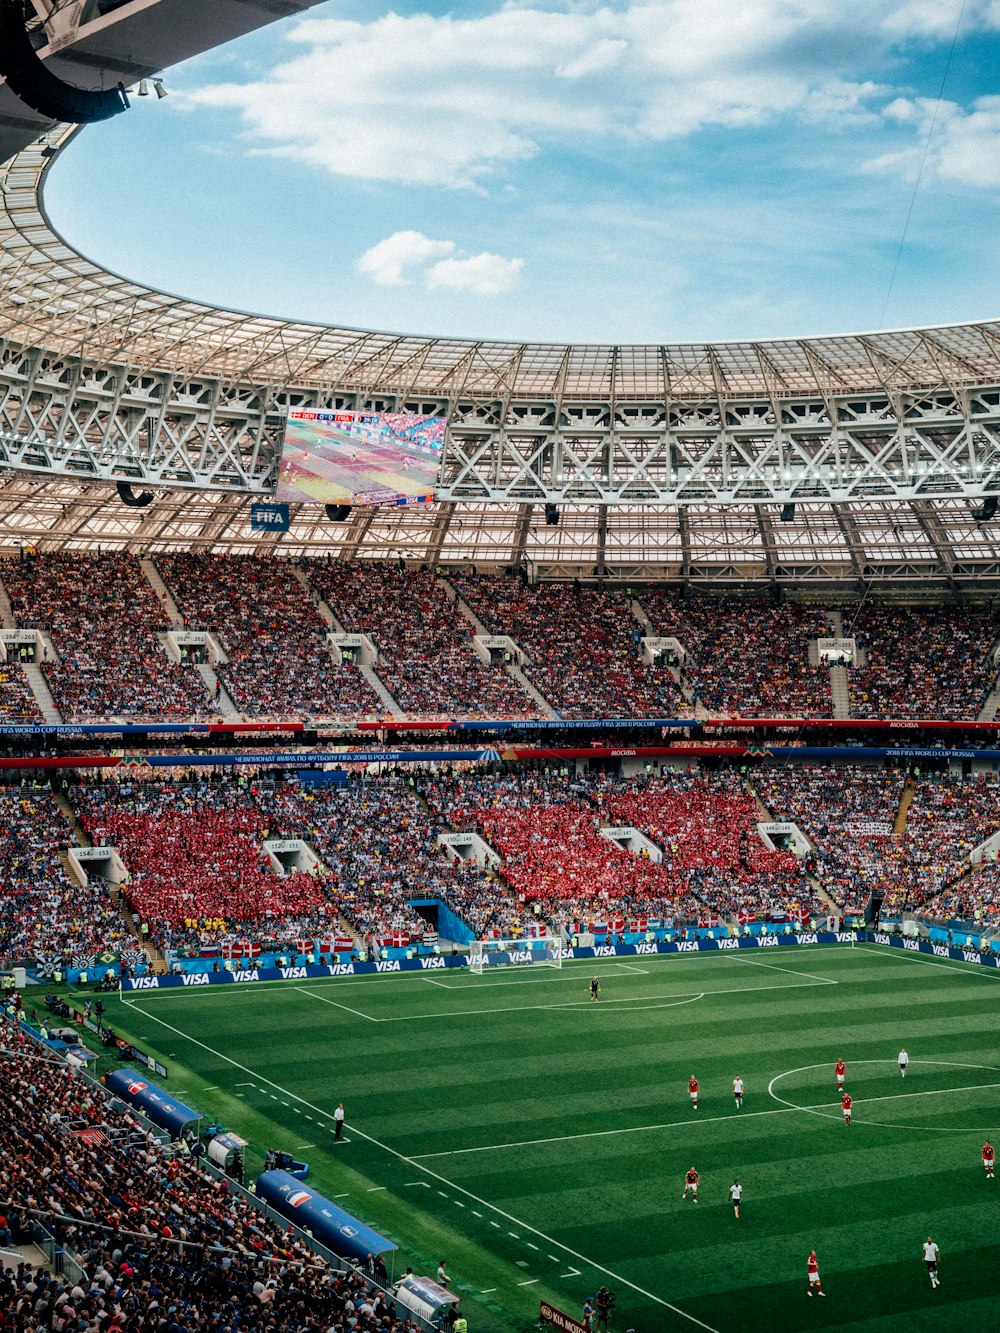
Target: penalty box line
(636,1002)
(459,1189)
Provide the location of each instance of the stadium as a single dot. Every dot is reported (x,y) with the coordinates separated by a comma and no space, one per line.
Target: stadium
(644,697)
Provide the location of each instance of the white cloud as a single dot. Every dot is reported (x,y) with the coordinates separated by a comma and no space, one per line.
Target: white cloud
(407,257)
(388,262)
(963,147)
(439,100)
(482,275)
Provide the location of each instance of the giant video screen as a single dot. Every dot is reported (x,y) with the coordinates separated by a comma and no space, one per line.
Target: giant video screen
(360,458)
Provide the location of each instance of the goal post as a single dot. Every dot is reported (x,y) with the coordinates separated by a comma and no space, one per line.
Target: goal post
(541,951)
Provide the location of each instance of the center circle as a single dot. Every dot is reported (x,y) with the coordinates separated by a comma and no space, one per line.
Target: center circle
(889,1124)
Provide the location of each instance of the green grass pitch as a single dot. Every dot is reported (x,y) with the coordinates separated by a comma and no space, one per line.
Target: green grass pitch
(539,1141)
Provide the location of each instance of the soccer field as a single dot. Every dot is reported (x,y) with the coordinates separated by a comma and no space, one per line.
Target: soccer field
(539,1141)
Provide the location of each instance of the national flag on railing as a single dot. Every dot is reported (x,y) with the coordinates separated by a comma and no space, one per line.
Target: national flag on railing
(618,924)
(746,918)
(342,942)
(397,940)
(638,925)
(304,946)
(600,928)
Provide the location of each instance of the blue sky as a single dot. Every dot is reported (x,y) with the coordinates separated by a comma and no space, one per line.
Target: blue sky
(669,170)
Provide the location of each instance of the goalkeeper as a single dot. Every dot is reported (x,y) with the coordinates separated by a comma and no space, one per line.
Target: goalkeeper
(595,988)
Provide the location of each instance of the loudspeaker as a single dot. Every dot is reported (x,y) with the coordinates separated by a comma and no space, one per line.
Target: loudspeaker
(338,513)
(788,513)
(128,496)
(552,515)
(987,510)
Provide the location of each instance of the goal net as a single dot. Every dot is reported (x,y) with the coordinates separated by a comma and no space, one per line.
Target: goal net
(545,951)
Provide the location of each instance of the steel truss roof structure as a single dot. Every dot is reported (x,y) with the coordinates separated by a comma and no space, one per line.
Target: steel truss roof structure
(666,461)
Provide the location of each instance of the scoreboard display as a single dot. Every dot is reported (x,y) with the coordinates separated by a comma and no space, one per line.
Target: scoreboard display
(360,458)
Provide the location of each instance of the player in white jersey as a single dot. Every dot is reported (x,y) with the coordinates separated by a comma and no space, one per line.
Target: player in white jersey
(735,1195)
(904,1061)
(738,1092)
(931,1256)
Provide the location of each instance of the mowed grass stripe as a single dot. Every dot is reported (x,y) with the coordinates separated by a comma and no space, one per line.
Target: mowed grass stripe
(475,1079)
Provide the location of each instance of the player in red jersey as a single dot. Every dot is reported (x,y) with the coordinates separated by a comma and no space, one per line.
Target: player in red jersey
(812,1267)
(693,1090)
(988,1159)
(841,1071)
(691,1183)
(847,1103)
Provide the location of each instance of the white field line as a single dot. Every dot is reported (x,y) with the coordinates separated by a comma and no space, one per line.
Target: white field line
(670,1004)
(608,1133)
(300,990)
(823,1109)
(408,978)
(410,1161)
(954,965)
(755,962)
(818,1108)
(638,1002)
(599,966)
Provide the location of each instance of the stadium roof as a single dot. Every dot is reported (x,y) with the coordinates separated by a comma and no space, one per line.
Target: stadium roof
(665,460)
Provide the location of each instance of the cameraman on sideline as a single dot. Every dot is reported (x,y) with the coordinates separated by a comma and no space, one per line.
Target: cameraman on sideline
(605,1302)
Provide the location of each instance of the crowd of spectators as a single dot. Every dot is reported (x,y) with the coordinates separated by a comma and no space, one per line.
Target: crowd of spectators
(198,873)
(279,663)
(921,662)
(745,657)
(200,880)
(848,814)
(162,1244)
(556,862)
(423,430)
(706,824)
(380,847)
(972,898)
(581,647)
(45,914)
(425,653)
(851,814)
(17,703)
(948,817)
(103,617)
